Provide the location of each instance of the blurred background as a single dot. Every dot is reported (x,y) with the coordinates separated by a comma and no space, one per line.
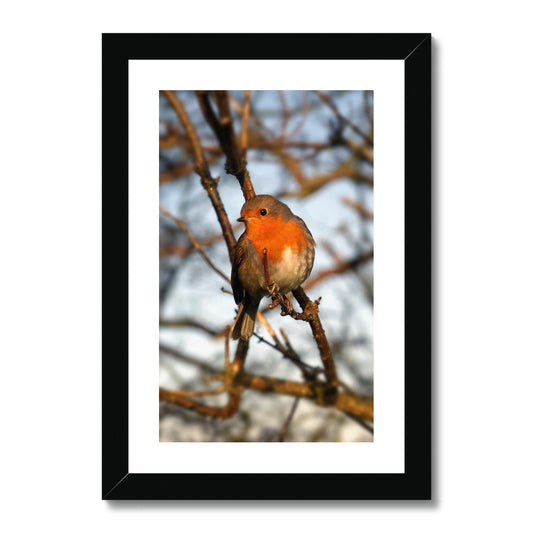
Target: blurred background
(314,151)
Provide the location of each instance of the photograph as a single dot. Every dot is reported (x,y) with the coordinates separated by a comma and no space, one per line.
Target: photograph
(266,265)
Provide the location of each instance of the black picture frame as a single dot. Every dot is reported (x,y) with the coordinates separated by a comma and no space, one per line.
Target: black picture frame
(120,484)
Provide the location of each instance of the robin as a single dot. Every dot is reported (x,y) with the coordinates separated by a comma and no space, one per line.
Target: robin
(275,253)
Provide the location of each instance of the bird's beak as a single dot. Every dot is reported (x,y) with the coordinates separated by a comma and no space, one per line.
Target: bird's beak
(241,219)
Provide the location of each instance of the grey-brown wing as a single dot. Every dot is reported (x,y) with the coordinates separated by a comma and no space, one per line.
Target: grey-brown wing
(236,286)
(306,230)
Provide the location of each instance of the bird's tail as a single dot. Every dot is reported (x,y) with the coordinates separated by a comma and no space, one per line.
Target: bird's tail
(243,327)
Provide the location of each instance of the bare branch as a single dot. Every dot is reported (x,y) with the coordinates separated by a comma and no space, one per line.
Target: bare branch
(245,116)
(189,323)
(285,429)
(202,168)
(222,126)
(310,311)
(325,98)
(359,207)
(351,264)
(317,391)
(194,242)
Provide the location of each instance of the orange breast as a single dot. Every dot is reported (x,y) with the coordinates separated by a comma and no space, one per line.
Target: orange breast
(274,235)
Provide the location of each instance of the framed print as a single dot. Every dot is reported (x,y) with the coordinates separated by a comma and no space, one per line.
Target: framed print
(266,266)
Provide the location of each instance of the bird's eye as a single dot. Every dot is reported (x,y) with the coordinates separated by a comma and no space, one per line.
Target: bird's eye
(263,212)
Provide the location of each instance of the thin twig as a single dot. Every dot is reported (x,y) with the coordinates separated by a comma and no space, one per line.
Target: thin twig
(309,372)
(226,347)
(325,98)
(359,207)
(369,95)
(177,354)
(188,323)
(194,242)
(245,116)
(285,428)
(344,266)
(303,114)
(285,115)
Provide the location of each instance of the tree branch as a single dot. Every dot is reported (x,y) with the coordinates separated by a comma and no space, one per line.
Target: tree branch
(325,98)
(194,242)
(222,127)
(202,169)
